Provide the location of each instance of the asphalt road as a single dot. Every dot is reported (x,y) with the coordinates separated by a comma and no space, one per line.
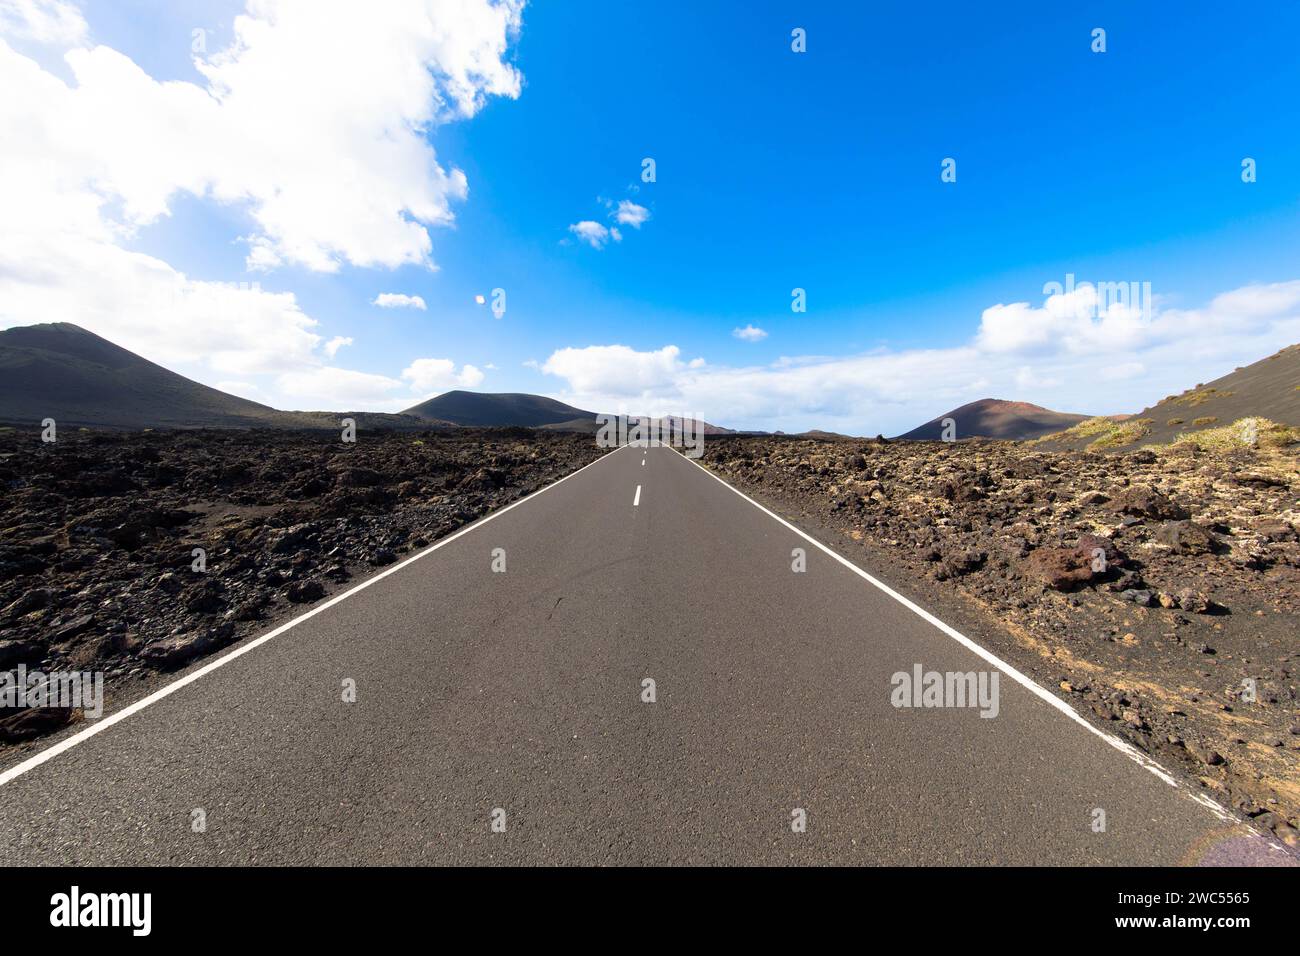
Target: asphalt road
(522,691)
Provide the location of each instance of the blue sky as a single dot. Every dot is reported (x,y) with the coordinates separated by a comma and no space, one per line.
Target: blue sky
(775,170)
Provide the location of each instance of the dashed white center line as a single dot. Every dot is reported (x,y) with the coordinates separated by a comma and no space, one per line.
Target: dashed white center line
(642,462)
(637,500)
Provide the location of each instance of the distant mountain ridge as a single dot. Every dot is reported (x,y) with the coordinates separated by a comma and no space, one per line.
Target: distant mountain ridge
(996,418)
(486,409)
(61,371)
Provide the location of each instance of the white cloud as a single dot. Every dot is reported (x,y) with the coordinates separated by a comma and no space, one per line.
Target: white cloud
(43,21)
(144,305)
(594,234)
(333,345)
(352,178)
(1029,378)
(1099,365)
(615,369)
(1115,373)
(262,256)
(315,122)
(396,300)
(1085,323)
(598,235)
(1259,301)
(437,375)
(1074,322)
(630,214)
(338,389)
(749,333)
(242,389)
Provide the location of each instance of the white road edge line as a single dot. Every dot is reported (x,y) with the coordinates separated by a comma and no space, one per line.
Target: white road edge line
(104,723)
(1028,683)
(636,500)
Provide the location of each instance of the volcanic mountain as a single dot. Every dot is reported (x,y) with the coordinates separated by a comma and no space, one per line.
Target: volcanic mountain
(995,418)
(516,408)
(485,409)
(1267,389)
(61,371)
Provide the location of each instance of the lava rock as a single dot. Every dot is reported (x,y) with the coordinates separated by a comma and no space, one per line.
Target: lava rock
(32,600)
(32,722)
(290,540)
(15,652)
(1062,569)
(1144,501)
(1066,569)
(1139,597)
(178,649)
(1197,602)
(78,625)
(304,592)
(1187,537)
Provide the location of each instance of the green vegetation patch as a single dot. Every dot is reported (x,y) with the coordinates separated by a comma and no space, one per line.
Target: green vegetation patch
(1104,432)
(1243,433)
(1123,433)
(1197,396)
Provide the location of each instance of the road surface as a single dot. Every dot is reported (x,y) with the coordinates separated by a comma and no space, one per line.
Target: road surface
(517,698)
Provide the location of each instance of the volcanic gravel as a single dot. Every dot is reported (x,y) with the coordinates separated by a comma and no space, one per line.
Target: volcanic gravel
(99,531)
